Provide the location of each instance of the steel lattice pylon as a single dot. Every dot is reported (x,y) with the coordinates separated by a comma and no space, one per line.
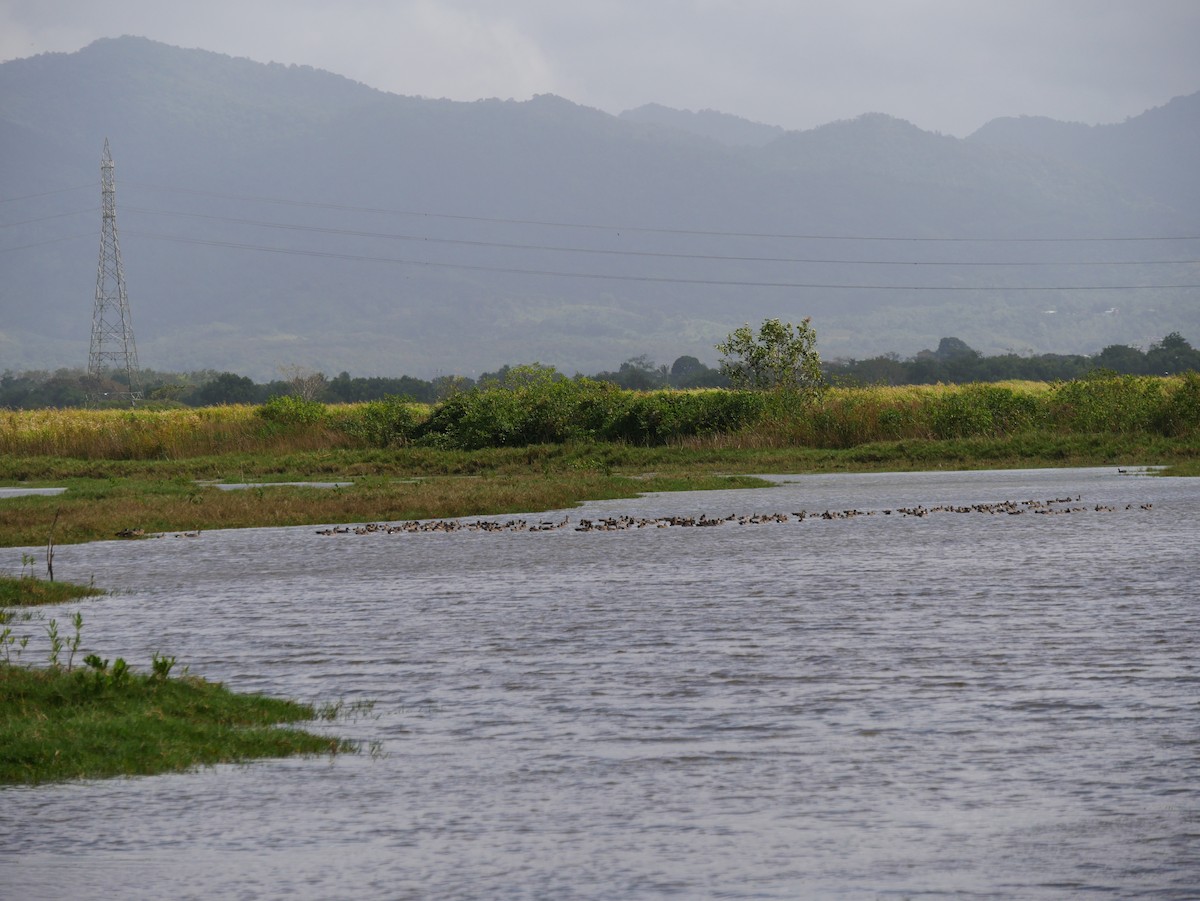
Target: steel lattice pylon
(112,347)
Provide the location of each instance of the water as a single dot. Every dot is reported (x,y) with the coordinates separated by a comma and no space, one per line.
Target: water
(24,492)
(960,704)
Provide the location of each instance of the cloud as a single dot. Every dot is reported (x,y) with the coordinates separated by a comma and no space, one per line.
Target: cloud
(420,48)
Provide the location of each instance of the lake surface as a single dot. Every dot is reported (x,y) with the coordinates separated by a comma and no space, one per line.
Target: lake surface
(955,704)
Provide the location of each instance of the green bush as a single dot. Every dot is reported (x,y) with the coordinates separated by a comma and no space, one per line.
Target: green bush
(549,410)
(291,410)
(1107,403)
(663,416)
(380,423)
(1179,414)
(473,420)
(981,411)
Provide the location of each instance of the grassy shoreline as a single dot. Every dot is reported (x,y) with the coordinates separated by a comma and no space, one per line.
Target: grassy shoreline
(92,719)
(550,444)
(110,498)
(28,591)
(58,724)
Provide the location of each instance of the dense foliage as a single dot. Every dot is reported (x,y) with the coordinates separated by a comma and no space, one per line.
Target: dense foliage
(782,356)
(544,407)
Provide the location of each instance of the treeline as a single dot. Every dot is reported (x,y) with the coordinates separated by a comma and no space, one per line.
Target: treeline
(953,362)
(210,388)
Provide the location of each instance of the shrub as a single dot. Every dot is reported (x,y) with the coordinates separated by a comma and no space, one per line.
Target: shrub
(980,411)
(1108,403)
(1179,414)
(291,410)
(380,423)
(658,417)
(558,410)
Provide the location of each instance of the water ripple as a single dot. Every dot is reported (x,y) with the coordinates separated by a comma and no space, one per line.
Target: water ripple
(951,704)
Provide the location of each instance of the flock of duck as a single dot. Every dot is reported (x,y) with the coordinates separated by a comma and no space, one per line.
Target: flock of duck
(1053,507)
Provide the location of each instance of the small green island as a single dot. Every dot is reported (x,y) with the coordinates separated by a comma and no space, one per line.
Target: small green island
(99,718)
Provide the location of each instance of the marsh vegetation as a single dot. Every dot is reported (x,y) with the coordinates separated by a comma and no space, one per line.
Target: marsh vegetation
(542,441)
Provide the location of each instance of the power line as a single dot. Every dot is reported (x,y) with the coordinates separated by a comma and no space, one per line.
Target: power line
(325,254)
(90,212)
(652,229)
(89,186)
(630,253)
(47,241)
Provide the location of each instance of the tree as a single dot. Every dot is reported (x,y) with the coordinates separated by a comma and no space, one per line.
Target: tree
(305,383)
(688,372)
(1121,358)
(1173,354)
(781,357)
(226,388)
(955,349)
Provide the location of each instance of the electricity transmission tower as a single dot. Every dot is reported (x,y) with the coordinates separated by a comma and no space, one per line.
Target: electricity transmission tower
(112,348)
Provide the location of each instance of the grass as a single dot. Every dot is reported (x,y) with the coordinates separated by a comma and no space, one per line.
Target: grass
(26,591)
(58,724)
(144,434)
(1183,468)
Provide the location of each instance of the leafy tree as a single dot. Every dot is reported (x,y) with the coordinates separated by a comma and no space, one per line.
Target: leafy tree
(886,369)
(346,389)
(641,373)
(1121,358)
(521,376)
(227,388)
(781,357)
(1172,355)
(955,349)
(684,368)
(637,374)
(688,372)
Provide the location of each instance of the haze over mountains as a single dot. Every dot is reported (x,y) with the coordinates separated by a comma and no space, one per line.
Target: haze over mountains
(272,215)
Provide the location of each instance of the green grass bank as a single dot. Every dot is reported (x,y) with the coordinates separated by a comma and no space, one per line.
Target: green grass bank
(28,591)
(58,724)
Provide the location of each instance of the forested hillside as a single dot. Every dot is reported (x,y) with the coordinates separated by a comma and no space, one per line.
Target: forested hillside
(273,216)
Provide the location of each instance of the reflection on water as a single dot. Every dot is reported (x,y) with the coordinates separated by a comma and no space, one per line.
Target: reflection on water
(26,492)
(967,704)
(240,486)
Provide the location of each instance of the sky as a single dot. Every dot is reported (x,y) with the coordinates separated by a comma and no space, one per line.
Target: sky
(945,65)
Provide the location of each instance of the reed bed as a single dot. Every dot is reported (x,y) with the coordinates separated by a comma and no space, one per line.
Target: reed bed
(173,434)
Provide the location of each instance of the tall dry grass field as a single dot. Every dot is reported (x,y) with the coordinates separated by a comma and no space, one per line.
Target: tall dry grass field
(156,434)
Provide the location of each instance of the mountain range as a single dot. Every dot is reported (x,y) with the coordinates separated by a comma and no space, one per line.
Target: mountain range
(277,216)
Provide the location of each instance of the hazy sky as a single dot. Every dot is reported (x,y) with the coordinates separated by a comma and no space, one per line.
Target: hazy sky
(945,65)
